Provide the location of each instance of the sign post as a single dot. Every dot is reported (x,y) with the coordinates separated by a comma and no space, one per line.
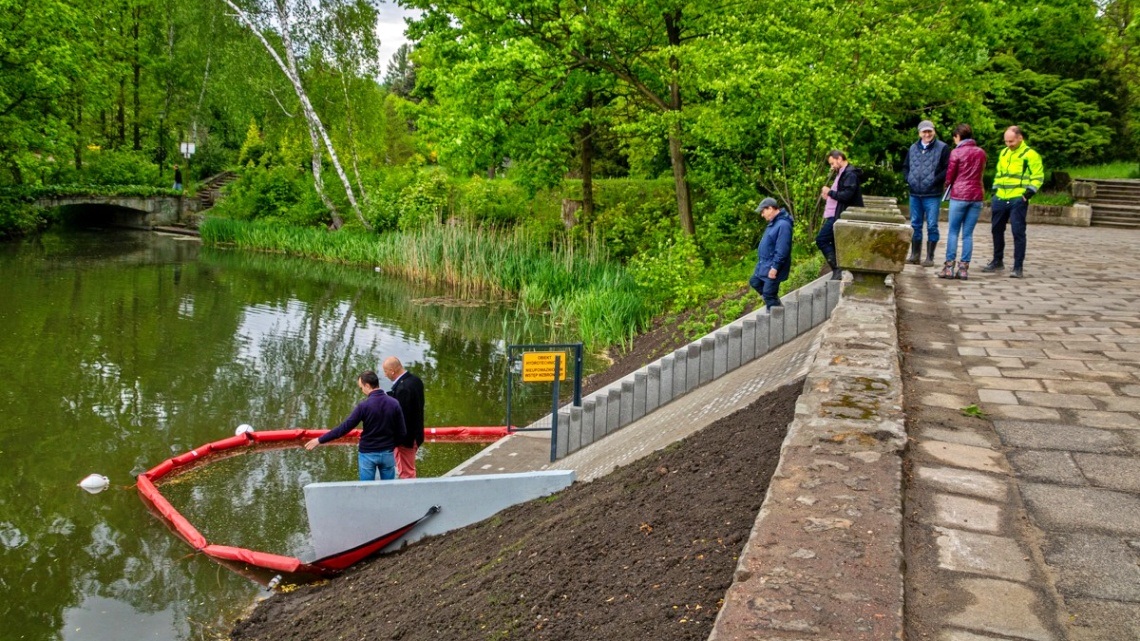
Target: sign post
(554,408)
(531,364)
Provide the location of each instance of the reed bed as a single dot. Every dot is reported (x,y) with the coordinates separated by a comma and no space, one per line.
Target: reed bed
(581,291)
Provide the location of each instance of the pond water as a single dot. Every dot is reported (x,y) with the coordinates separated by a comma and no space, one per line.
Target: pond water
(120,349)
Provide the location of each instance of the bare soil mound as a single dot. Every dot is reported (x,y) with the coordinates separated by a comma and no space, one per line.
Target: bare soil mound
(646,552)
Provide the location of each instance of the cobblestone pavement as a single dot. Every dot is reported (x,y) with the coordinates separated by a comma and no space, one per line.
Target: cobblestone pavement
(1024,523)
(526,451)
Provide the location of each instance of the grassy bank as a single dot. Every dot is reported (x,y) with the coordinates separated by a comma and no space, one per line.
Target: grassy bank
(579,288)
(1106,171)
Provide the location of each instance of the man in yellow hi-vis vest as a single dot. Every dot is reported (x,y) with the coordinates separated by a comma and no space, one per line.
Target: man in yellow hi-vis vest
(1019,176)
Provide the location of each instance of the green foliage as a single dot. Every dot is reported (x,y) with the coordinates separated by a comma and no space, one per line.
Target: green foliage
(633,216)
(114,167)
(280,194)
(491,202)
(29,193)
(1059,115)
(1120,169)
(253,149)
(583,291)
(973,411)
(423,202)
(210,158)
(667,272)
(1062,199)
(18,218)
(804,270)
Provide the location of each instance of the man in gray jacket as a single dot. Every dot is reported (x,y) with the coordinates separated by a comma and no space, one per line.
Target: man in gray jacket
(925,172)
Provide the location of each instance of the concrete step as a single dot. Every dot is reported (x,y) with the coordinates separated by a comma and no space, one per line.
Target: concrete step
(1101,195)
(1128,198)
(1114,224)
(1112,215)
(1125,210)
(1123,220)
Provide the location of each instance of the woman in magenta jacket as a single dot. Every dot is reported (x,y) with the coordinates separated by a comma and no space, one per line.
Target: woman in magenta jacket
(964,178)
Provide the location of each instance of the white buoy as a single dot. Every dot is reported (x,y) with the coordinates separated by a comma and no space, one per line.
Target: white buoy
(95,483)
(242,429)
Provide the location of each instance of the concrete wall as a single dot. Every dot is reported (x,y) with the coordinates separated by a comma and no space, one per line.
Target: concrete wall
(343,515)
(698,363)
(1077,215)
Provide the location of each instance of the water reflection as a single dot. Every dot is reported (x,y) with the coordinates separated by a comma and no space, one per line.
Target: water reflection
(121,349)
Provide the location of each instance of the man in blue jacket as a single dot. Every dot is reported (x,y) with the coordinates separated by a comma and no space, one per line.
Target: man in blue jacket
(774,254)
(383,430)
(924,170)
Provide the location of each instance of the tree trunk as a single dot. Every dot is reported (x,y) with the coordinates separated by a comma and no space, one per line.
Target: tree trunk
(310,112)
(588,172)
(352,138)
(137,69)
(318,183)
(121,116)
(79,132)
(205,78)
(676,149)
(307,107)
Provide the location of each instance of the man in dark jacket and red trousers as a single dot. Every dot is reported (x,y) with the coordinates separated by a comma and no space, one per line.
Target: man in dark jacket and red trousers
(774,254)
(383,429)
(924,170)
(843,192)
(408,389)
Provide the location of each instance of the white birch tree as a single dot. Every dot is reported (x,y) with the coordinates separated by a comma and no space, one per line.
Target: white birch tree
(318,134)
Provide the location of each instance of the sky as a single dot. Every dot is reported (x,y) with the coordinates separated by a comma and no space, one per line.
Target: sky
(390,29)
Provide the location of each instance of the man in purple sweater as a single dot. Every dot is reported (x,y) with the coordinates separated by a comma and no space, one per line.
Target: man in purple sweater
(383,430)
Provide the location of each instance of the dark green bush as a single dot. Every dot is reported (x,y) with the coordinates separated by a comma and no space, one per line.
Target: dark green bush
(118,167)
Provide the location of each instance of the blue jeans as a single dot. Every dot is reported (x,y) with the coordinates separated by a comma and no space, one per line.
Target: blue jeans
(769,288)
(371,462)
(963,216)
(1012,212)
(924,207)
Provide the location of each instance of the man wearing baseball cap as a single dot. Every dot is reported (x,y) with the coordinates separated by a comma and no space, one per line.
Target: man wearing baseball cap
(924,170)
(774,254)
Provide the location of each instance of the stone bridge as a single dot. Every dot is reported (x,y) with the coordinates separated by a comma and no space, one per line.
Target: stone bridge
(143,212)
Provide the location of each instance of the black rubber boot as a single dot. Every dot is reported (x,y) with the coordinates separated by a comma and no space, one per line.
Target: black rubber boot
(930,246)
(915,252)
(836,273)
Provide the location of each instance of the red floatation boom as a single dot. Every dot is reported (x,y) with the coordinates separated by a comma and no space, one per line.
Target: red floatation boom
(331,564)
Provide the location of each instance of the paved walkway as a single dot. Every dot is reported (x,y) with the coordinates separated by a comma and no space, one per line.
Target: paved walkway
(527,451)
(1024,523)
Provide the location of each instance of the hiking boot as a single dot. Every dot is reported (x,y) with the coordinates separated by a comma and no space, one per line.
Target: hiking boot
(915,252)
(930,245)
(1016,273)
(836,274)
(947,270)
(993,266)
(963,272)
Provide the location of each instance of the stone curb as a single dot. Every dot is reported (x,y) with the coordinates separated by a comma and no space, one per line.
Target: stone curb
(824,559)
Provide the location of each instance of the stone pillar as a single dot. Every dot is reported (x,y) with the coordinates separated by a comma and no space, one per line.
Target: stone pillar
(871,244)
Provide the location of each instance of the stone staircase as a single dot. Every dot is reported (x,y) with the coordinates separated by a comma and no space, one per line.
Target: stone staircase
(211,191)
(1117,204)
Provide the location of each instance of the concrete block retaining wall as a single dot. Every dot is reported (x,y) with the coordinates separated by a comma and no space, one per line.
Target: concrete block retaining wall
(698,363)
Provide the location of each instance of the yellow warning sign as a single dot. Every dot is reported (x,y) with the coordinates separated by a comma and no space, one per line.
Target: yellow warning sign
(538,367)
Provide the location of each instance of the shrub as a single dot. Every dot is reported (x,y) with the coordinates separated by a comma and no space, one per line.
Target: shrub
(422,202)
(116,167)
